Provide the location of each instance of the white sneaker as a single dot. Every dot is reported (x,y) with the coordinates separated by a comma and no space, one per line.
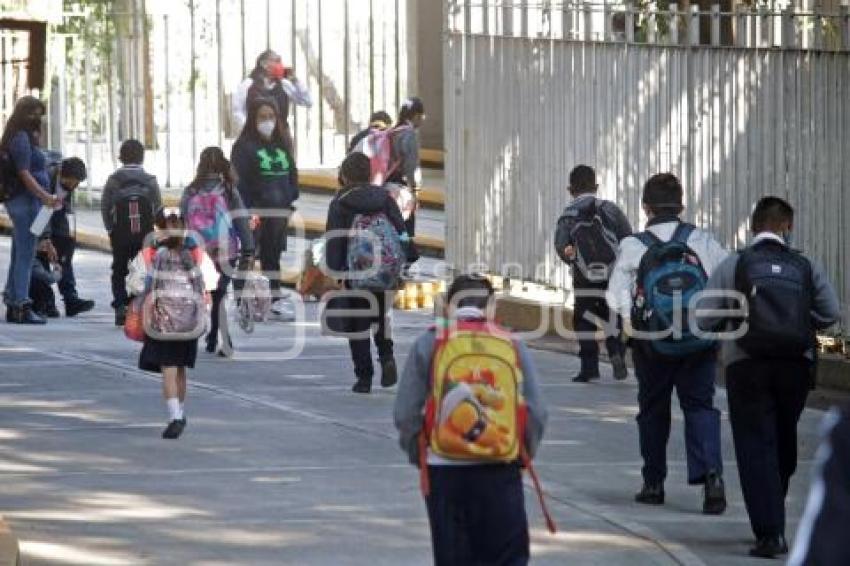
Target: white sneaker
(284,310)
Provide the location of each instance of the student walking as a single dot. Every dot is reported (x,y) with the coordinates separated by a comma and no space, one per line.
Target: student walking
(380,121)
(358,214)
(769,368)
(213,208)
(64,180)
(271,80)
(587,238)
(657,273)
(405,152)
(174,319)
(28,193)
(267,180)
(129,206)
(460,409)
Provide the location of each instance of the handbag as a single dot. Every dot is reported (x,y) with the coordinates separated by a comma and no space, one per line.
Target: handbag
(134,325)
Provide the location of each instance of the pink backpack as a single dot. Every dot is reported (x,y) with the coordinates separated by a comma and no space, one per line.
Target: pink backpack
(378,147)
(207,213)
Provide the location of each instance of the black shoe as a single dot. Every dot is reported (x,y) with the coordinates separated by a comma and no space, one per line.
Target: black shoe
(174,429)
(389,373)
(120,316)
(651,494)
(50,311)
(24,315)
(715,495)
(362,386)
(77,306)
(212,344)
(583,377)
(769,547)
(621,372)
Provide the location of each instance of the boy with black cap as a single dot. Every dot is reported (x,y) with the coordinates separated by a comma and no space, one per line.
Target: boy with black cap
(670,258)
(587,238)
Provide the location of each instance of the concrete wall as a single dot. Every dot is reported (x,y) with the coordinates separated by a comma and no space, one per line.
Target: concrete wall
(425,25)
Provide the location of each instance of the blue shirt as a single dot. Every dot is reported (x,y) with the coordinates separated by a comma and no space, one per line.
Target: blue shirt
(27,156)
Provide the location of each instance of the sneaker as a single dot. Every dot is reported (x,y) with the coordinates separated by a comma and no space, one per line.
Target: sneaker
(78,306)
(23,315)
(621,372)
(120,316)
(389,373)
(362,386)
(283,310)
(585,377)
(715,495)
(651,494)
(769,547)
(174,429)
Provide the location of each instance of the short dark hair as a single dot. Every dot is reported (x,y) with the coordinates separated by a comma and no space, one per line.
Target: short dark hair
(355,169)
(381,116)
(132,152)
(770,213)
(582,180)
(73,167)
(475,291)
(410,108)
(663,194)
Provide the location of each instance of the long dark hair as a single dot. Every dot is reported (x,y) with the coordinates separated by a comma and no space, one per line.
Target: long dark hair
(213,162)
(410,108)
(250,129)
(259,71)
(18,120)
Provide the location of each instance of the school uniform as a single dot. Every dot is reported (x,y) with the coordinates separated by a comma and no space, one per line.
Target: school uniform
(588,304)
(476,511)
(692,377)
(766,397)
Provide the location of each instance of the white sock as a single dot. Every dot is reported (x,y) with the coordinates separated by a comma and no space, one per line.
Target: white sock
(182,410)
(175,412)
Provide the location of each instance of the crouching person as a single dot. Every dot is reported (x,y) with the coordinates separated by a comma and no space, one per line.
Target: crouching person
(180,276)
(470,416)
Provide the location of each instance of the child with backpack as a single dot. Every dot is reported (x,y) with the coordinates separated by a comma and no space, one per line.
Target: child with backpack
(657,274)
(587,238)
(179,276)
(129,206)
(768,368)
(208,204)
(470,415)
(362,218)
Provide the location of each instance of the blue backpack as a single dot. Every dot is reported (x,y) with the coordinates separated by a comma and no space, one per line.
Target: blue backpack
(375,254)
(669,276)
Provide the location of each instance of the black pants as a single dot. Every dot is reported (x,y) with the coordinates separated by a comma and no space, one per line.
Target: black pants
(41,289)
(219,312)
(123,253)
(65,247)
(378,327)
(766,398)
(477,516)
(693,378)
(587,307)
(271,237)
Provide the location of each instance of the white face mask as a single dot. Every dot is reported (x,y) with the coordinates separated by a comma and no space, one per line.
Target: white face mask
(266,128)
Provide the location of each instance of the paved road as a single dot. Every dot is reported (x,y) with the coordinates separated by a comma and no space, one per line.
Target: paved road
(281,464)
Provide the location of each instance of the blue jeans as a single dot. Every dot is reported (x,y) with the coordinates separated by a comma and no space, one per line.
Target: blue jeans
(22,209)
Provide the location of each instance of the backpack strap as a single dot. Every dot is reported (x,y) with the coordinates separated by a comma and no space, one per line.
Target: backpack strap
(648,238)
(682,233)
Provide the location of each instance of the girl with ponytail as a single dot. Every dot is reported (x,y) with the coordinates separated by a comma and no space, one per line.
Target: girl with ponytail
(216,215)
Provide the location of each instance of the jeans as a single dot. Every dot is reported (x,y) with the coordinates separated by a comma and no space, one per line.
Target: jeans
(22,210)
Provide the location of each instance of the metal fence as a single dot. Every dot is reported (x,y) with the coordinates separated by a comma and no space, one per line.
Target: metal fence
(171,70)
(734,123)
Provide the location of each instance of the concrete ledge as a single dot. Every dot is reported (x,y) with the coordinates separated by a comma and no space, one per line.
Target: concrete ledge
(10,554)
(327,183)
(432,158)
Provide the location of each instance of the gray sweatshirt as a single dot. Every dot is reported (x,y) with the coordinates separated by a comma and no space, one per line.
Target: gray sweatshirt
(406,150)
(825,308)
(413,391)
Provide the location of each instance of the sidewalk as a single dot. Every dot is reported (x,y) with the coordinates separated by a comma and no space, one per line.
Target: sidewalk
(281,464)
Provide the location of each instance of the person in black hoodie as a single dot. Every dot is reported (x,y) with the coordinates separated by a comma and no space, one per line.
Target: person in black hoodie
(355,197)
(268,180)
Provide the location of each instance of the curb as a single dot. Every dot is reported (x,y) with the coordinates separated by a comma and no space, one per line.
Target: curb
(327,183)
(10,553)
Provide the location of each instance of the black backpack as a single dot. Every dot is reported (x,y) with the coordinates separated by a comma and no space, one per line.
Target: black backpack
(777,283)
(133,214)
(596,244)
